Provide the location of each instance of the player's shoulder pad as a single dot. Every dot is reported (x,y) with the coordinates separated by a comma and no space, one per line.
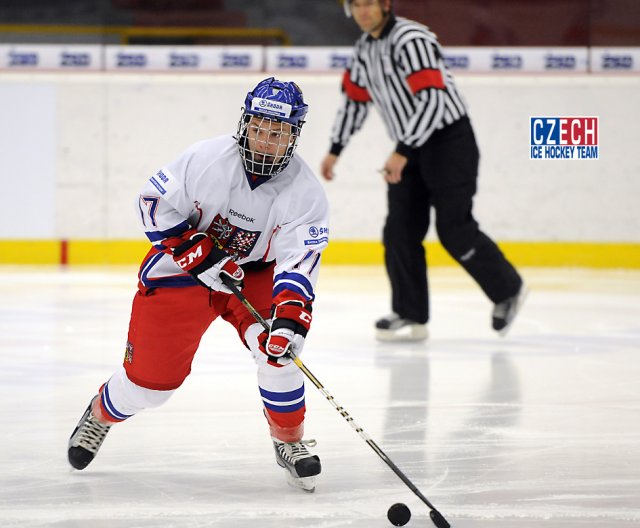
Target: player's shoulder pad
(303,172)
(206,152)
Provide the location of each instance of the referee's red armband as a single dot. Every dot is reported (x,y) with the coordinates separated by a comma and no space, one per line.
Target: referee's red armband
(423,79)
(353,91)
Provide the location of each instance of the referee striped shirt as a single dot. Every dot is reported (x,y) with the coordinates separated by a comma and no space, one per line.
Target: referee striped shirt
(404,75)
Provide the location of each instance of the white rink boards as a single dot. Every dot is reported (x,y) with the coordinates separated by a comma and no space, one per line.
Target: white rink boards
(476,59)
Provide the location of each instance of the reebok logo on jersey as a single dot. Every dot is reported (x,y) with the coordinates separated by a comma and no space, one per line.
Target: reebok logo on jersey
(241,216)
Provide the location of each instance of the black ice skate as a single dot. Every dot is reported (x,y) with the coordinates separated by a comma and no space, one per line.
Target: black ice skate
(505,312)
(395,328)
(302,467)
(86,439)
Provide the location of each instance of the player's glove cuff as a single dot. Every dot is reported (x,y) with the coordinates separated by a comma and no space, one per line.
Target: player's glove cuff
(292,315)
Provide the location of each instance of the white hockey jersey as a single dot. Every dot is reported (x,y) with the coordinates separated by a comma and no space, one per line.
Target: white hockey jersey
(282,219)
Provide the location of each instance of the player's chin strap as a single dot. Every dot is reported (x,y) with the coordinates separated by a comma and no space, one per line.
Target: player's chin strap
(437,518)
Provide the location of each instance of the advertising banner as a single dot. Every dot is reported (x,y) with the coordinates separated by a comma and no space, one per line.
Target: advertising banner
(184,58)
(25,57)
(615,60)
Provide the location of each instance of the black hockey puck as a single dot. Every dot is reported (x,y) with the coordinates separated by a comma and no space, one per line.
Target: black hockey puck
(399,514)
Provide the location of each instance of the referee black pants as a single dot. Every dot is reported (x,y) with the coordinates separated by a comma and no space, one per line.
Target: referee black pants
(441,174)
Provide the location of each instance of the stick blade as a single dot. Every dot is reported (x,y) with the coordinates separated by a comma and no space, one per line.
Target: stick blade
(438,519)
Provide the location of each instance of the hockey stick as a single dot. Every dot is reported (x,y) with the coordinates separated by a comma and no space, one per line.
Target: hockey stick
(437,518)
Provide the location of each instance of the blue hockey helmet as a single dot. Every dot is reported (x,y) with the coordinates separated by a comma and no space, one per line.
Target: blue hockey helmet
(273,108)
(277,100)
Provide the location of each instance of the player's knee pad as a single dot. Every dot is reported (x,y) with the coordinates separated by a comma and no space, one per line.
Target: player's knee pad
(121,398)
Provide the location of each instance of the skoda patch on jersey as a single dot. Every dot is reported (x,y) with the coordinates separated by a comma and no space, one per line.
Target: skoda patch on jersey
(315,235)
(163,182)
(274,108)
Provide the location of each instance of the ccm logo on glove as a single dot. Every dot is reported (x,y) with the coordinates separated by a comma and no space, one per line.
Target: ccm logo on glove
(194,251)
(192,259)
(276,349)
(291,322)
(207,263)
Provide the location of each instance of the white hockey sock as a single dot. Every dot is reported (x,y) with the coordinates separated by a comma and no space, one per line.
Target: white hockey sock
(121,398)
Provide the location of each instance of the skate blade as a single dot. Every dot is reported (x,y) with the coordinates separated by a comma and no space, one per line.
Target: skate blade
(307,484)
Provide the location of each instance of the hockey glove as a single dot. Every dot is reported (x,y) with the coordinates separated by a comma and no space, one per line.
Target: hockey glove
(291,322)
(207,263)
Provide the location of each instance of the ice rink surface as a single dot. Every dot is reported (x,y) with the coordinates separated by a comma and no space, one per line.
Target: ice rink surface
(538,429)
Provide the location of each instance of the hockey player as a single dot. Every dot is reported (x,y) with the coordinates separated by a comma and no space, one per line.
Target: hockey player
(246,208)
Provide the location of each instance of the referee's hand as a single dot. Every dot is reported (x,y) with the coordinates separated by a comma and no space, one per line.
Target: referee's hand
(393,168)
(326,167)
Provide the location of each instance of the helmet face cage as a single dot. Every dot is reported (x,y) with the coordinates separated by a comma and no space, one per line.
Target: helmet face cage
(266,145)
(269,127)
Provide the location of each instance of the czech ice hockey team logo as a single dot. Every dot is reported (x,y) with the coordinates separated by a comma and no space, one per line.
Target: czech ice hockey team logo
(574,138)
